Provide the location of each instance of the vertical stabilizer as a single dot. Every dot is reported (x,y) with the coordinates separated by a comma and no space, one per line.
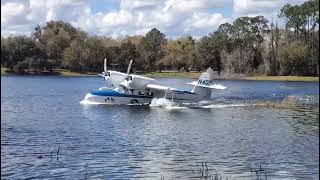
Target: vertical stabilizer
(205,79)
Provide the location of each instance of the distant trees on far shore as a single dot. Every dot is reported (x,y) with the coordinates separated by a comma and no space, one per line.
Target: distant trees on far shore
(248,45)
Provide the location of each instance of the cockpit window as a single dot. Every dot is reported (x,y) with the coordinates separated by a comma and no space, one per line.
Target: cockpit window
(106,73)
(119,89)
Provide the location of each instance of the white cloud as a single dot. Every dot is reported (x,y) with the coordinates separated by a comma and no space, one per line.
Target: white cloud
(254,6)
(204,23)
(116,19)
(138,4)
(262,7)
(67,10)
(267,8)
(14,19)
(142,31)
(172,17)
(198,5)
(12,13)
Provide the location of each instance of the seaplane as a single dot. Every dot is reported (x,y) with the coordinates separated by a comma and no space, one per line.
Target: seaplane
(132,89)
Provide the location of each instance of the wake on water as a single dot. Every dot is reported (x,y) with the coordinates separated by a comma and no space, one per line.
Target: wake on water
(171,105)
(168,104)
(165,103)
(87,102)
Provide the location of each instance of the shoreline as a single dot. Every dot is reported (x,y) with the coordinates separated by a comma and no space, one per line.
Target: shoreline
(172,74)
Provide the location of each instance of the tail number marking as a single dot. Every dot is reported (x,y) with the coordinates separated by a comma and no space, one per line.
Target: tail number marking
(204,82)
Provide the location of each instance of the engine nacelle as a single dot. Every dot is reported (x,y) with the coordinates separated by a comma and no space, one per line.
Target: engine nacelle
(116,77)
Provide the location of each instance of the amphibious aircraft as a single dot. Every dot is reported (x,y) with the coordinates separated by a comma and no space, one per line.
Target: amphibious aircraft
(125,88)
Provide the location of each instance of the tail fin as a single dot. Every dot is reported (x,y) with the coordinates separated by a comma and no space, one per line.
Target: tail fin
(204,80)
(206,77)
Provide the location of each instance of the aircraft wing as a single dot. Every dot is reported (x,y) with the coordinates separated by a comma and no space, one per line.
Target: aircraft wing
(166,88)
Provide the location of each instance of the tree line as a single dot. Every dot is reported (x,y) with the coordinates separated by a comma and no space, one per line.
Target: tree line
(248,45)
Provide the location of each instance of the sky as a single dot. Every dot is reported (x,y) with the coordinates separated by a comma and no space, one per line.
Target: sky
(119,18)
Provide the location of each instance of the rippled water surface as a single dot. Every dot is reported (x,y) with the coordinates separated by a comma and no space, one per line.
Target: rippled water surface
(47,134)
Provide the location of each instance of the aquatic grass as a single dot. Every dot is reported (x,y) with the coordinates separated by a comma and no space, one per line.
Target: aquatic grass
(86,166)
(289,102)
(259,173)
(202,171)
(205,173)
(58,153)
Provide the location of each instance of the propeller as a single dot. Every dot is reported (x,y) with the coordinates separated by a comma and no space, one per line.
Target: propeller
(128,80)
(105,74)
(129,67)
(105,65)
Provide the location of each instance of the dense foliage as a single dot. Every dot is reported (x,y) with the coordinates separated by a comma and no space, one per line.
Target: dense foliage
(249,45)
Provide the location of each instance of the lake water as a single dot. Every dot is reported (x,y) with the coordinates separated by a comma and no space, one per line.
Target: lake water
(41,115)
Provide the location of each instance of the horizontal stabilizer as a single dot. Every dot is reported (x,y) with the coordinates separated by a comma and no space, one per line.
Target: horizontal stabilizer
(165,88)
(158,87)
(214,86)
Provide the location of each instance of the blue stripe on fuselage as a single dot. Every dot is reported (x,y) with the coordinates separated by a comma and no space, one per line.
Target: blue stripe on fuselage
(114,93)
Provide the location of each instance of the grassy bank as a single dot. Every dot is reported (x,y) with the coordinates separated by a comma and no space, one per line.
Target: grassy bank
(56,72)
(235,77)
(3,71)
(65,72)
(173,74)
(282,78)
(192,74)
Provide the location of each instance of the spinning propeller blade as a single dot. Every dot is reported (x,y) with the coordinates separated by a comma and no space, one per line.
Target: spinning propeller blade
(105,65)
(129,67)
(104,74)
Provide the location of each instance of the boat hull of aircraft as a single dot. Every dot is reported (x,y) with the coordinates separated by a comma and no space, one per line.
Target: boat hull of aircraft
(114,97)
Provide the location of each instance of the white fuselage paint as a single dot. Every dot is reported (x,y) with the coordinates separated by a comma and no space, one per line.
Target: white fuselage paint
(134,99)
(117,100)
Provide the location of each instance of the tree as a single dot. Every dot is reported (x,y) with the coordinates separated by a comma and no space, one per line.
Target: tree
(20,67)
(113,57)
(109,42)
(274,43)
(292,59)
(180,54)
(127,52)
(209,52)
(39,64)
(55,37)
(133,39)
(16,53)
(151,48)
(304,19)
(240,44)
(226,32)
(72,55)
(92,54)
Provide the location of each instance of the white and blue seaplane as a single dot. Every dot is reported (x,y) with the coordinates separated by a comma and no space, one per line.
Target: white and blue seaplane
(132,89)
